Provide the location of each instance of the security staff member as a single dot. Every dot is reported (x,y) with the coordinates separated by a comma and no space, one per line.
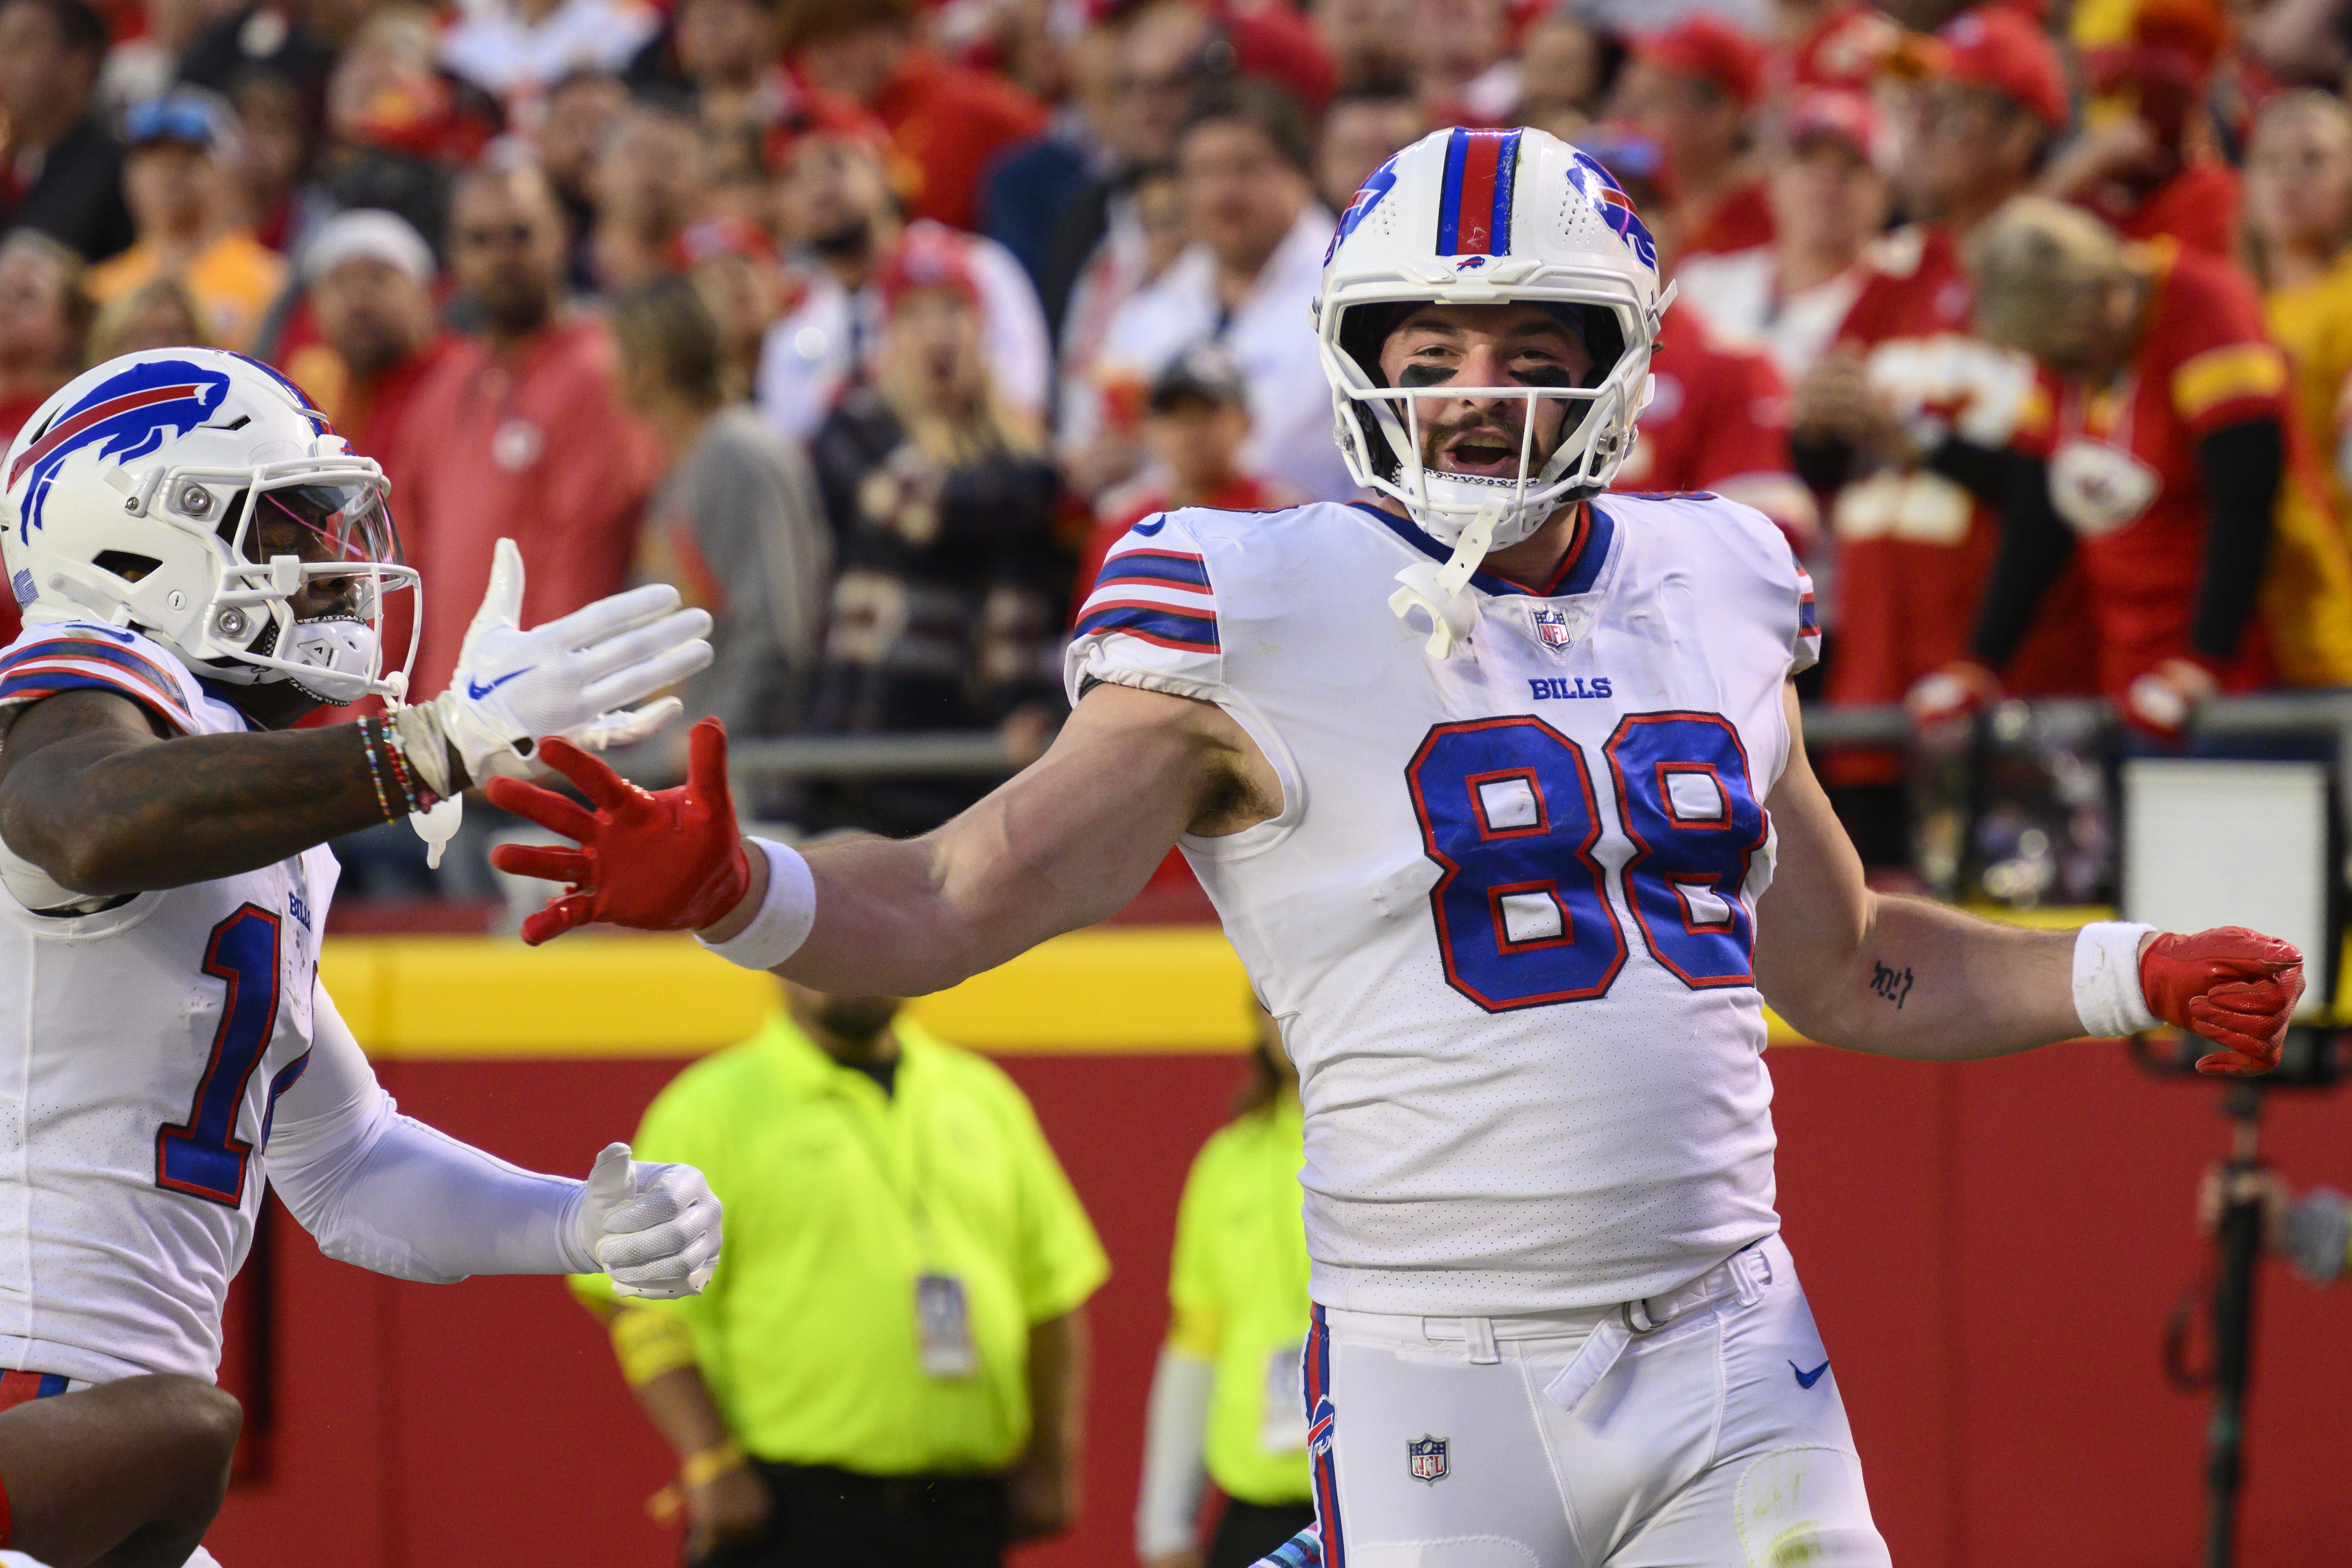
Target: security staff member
(888,1367)
(1226,1400)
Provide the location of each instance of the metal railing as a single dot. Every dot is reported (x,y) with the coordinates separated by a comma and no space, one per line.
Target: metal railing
(976,754)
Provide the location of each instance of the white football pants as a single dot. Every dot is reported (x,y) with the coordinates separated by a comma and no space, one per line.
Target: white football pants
(1700,1429)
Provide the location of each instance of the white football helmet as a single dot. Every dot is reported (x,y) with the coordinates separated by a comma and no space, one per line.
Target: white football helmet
(190,493)
(1488,217)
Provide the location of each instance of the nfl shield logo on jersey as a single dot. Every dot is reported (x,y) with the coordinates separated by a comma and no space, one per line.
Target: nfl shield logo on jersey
(1551,626)
(1425,1457)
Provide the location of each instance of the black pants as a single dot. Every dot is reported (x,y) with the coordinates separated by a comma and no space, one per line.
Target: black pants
(836,1519)
(1249,1530)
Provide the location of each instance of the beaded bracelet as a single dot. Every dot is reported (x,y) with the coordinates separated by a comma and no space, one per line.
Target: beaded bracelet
(420,795)
(371,743)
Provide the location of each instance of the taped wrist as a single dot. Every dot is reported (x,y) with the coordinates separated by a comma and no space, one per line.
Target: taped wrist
(649,1342)
(2108,997)
(427,747)
(785,915)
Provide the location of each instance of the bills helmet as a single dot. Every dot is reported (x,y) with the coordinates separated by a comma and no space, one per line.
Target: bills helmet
(193,495)
(1489,217)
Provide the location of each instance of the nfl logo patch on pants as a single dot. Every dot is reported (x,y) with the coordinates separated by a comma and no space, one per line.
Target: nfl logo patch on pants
(1425,1457)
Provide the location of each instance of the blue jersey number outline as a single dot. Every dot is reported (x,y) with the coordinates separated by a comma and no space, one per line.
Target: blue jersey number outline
(1507,812)
(203,1156)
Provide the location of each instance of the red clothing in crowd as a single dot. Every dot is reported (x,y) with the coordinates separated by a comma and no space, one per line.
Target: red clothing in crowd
(2197,207)
(1914,548)
(1241,493)
(2205,362)
(1717,420)
(950,123)
(1741,220)
(16,408)
(535,448)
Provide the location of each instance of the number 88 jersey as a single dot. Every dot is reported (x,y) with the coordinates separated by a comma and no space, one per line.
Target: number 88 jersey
(143,1049)
(1506,916)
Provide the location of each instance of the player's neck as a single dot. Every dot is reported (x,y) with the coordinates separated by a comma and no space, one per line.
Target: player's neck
(1534,561)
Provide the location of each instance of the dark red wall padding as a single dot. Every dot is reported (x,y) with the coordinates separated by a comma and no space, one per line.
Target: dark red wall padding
(1991,1251)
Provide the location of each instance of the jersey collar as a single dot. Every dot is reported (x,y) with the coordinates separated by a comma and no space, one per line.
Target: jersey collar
(1578,570)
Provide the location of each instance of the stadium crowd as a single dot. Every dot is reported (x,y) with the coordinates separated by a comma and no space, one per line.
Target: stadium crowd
(869,323)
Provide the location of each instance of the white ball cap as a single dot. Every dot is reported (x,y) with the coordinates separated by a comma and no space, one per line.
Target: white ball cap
(371,232)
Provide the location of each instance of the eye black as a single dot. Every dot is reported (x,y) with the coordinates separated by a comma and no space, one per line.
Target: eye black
(1421,373)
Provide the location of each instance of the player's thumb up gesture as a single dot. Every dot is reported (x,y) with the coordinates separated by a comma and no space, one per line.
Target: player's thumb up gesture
(652,1229)
(574,676)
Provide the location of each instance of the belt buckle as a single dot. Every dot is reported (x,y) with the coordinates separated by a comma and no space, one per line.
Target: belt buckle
(1625,1313)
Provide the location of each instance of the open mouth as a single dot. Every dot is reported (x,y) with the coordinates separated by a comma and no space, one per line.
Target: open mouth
(1489,454)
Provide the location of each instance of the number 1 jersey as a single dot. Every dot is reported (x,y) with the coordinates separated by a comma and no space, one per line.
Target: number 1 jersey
(1506,917)
(143,1048)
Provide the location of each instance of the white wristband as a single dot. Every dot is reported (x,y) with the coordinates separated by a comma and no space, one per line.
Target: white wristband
(785,914)
(2107,995)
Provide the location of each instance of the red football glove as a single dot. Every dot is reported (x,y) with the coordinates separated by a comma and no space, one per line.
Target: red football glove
(666,860)
(2237,987)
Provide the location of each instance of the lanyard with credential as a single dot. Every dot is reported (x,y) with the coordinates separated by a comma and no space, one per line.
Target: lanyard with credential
(943,1343)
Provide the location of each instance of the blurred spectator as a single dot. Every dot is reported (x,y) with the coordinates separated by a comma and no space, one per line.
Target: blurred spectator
(1061,179)
(1369,41)
(145,67)
(1691,89)
(1245,168)
(1830,43)
(947,608)
(299,43)
(736,522)
(370,279)
(178,173)
(572,117)
(397,126)
(2170,462)
(888,1369)
(63,171)
(1463,70)
(513,49)
(1827,201)
(1718,418)
(1913,545)
(649,182)
(735,266)
(273,144)
(520,432)
(839,219)
(1224,1397)
(727,55)
(2298,221)
(44,318)
(2140,163)
(1147,235)
(159,314)
(1194,425)
(947,120)
(1363,129)
(1565,63)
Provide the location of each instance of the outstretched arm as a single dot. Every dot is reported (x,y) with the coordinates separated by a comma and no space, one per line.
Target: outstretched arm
(1903,977)
(388,1193)
(1063,844)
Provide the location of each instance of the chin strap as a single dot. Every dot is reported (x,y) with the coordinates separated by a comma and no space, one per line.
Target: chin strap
(1437,590)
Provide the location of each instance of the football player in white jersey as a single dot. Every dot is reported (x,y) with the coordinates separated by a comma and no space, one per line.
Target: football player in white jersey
(1497,784)
(201,562)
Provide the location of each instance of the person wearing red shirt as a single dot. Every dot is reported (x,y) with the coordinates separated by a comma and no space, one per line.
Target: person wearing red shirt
(2146,64)
(947,120)
(2172,465)
(1690,88)
(1196,423)
(518,433)
(1903,374)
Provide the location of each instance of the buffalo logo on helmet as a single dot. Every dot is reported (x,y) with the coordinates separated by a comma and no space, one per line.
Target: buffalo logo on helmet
(123,417)
(1378,183)
(1425,1457)
(1612,207)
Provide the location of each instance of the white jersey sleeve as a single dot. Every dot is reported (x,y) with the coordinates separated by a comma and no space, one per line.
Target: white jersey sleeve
(75,656)
(1758,573)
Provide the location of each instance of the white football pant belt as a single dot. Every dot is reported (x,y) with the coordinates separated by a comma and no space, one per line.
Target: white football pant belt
(1743,1275)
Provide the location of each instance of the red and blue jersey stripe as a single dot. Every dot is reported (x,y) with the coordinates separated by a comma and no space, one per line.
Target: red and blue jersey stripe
(1474,209)
(81,662)
(1159,596)
(1322,1417)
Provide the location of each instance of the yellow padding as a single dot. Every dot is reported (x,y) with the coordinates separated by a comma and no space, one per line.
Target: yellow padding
(649,1344)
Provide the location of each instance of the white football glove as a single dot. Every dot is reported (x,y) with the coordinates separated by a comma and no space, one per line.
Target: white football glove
(574,676)
(652,1229)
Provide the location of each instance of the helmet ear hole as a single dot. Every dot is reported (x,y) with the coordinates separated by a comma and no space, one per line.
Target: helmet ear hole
(128,565)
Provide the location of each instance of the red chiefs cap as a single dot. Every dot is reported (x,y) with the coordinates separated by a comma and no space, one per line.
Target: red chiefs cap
(1842,112)
(1998,47)
(813,112)
(929,257)
(1708,47)
(722,236)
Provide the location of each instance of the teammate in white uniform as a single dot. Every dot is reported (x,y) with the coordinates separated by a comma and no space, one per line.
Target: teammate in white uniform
(1497,787)
(200,562)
